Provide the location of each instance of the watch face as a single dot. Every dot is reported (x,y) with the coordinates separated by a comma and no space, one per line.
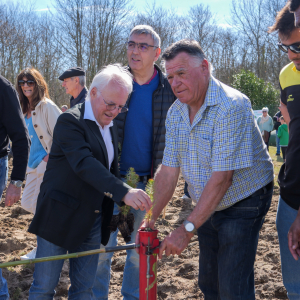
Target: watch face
(189,227)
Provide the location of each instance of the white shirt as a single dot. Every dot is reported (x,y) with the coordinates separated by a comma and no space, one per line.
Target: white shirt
(89,114)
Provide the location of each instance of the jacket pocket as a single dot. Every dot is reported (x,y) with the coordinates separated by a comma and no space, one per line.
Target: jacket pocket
(65,199)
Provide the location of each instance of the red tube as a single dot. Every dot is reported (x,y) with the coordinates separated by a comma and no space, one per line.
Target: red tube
(148,264)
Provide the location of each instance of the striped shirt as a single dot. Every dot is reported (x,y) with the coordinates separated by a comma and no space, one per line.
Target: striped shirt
(224,136)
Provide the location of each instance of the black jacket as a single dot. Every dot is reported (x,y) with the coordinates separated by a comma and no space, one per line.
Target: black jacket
(80,98)
(162,99)
(13,127)
(77,183)
(277,124)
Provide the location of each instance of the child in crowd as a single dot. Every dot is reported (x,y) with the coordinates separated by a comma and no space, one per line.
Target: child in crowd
(283,135)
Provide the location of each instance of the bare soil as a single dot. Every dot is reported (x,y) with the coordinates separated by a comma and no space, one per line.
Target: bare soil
(177,276)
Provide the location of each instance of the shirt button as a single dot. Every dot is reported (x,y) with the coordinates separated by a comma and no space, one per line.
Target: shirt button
(97,211)
(35,125)
(34,113)
(41,137)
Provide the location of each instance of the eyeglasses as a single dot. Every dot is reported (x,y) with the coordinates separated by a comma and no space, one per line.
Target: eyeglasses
(112,106)
(294,47)
(141,46)
(30,83)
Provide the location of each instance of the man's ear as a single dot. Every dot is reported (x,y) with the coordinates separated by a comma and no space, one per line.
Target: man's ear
(93,92)
(205,65)
(157,54)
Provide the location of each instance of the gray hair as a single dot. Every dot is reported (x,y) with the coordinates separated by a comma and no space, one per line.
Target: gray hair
(115,73)
(146,29)
(191,47)
(81,78)
(64,106)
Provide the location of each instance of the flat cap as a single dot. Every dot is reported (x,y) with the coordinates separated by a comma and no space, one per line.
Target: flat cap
(75,71)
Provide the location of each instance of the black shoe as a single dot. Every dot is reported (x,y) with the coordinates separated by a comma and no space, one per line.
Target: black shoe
(278,154)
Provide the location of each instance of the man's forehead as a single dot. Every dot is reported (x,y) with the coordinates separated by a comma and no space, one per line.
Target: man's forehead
(146,37)
(180,62)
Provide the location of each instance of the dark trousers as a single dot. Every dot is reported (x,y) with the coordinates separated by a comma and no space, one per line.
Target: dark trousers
(283,150)
(228,242)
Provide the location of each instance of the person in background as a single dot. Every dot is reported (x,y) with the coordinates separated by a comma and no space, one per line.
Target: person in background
(142,139)
(265,124)
(288,212)
(64,108)
(283,135)
(276,119)
(40,117)
(12,127)
(74,82)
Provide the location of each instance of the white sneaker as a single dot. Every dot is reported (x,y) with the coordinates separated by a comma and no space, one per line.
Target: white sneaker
(30,255)
(185,197)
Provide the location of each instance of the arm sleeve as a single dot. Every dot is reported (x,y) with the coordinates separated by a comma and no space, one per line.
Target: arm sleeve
(232,138)
(53,112)
(14,123)
(271,125)
(170,158)
(70,136)
(279,132)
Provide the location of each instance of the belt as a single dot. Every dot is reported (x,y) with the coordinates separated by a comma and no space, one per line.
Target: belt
(143,178)
(262,191)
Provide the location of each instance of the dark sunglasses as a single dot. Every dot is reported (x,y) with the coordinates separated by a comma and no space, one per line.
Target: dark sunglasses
(141,46)
(294,47)
(30,83)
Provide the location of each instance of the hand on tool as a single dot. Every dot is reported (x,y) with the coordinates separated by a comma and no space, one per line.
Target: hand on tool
(175,242)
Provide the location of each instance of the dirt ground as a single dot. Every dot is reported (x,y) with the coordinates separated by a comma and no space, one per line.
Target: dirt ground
(177,276)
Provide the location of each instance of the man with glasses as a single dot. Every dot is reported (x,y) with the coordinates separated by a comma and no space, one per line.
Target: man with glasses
(12,127)
(288,213)
(142,138)
(80,186)
(74,83)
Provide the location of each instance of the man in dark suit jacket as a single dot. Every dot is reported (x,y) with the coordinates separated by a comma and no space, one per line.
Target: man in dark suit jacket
(80,186)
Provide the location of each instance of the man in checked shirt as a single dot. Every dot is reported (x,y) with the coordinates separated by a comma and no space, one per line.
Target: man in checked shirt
(211,136)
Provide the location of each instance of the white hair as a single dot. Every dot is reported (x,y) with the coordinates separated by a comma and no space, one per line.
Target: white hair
(146,29)
(115,73)
(81,79)
(265,109)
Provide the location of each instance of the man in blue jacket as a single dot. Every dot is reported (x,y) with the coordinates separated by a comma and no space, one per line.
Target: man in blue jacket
(142,137)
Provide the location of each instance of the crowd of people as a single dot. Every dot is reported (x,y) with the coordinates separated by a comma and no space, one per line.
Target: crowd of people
(160,124)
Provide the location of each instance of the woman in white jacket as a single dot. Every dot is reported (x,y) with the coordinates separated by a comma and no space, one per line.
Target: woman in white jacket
(40,117)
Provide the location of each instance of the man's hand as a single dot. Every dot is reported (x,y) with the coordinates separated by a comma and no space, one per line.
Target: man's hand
(294,238)
(175,242)
(137,199)
(13,195)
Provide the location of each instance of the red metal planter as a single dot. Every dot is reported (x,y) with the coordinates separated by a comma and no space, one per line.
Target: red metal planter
(149,244)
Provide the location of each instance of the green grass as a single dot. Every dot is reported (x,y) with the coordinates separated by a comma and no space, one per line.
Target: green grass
(277,162)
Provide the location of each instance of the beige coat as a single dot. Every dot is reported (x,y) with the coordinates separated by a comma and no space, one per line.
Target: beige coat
(43,120)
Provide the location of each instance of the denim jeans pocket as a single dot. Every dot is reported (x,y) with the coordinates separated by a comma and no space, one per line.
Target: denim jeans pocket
(247,208)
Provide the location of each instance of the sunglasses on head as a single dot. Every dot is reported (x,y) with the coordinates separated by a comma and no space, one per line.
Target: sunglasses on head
(294,47)
(30,83)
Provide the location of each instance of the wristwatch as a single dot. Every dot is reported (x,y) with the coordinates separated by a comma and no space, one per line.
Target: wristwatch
(16,183)
(189,227)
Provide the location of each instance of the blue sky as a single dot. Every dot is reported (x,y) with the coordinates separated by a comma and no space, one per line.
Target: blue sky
(219,7)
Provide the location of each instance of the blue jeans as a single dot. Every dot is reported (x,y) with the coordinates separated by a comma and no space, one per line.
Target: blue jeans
(277,143)
(130,286)
(4,295)
(82,270)
(228,242)
(290,268)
